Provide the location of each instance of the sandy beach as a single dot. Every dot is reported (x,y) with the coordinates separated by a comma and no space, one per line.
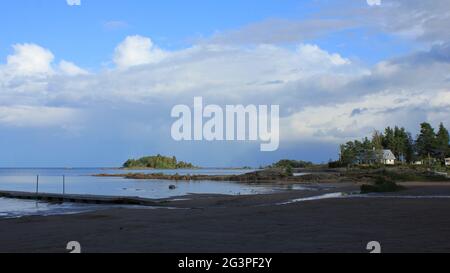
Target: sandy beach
(257,223)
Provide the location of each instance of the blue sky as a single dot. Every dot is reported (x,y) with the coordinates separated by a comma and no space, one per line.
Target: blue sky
(93,84)
(89,32)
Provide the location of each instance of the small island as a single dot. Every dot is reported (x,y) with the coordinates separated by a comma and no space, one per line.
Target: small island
(157,162)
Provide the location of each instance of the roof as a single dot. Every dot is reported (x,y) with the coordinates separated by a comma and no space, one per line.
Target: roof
(388,155)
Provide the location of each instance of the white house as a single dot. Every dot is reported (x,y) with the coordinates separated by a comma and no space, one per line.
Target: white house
(447,161)
(388,157)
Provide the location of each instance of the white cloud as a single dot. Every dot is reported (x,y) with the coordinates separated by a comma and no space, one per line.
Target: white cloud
(71,69)
(323,95)
(374,2)
(426,21)
(228,71)
(30,59)
(137,50)
(314,55)
(358,117)
(73,2)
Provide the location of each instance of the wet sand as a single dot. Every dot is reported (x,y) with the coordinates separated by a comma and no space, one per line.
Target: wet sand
(207,223)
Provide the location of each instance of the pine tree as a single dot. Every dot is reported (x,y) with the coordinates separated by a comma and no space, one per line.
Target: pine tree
(426,141)
(377,140)
(389,139)
(442,142)
(410,148)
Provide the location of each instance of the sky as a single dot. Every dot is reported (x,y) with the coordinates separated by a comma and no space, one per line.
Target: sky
(87,83)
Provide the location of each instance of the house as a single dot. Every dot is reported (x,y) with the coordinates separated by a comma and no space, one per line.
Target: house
(388,157)
(370,157)
(447,161)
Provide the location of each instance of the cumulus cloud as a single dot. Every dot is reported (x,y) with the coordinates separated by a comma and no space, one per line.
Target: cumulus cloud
(34,61)
(29,59)
(24,85)
(137,50)
(73,2)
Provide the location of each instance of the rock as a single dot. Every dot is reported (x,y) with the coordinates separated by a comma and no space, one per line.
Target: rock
(172,187)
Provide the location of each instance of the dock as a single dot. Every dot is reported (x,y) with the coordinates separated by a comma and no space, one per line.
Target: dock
(78,198)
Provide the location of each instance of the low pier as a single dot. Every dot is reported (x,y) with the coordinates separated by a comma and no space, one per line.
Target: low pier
(76,198)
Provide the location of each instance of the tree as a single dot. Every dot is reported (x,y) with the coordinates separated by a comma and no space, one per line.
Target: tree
(402,143)
(442,142)
(348,153)
(285,163)
(389,139)
(428,145)
(157,162)
(410,149)
(377,140)
(426,141)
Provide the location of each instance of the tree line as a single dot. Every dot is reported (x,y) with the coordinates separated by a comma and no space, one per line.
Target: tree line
(428,146)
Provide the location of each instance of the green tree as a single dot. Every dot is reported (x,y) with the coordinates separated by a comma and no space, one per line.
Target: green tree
(389,139)
(410,149)
(442,142)
(348,154)
(286,163)
(377,140)
(402,144)
(426,141)
(157,162)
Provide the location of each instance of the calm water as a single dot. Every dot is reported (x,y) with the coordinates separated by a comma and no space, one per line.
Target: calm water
(81,181)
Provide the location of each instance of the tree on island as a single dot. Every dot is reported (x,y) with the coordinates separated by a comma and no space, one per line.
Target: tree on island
(157,162)
(286,163)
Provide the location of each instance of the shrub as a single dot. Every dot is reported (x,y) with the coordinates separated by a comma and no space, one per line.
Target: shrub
(382,184)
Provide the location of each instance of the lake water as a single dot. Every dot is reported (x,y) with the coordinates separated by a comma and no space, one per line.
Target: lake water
(81,181)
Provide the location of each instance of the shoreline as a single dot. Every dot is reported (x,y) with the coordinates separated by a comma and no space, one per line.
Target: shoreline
(308,175)
(250,223)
